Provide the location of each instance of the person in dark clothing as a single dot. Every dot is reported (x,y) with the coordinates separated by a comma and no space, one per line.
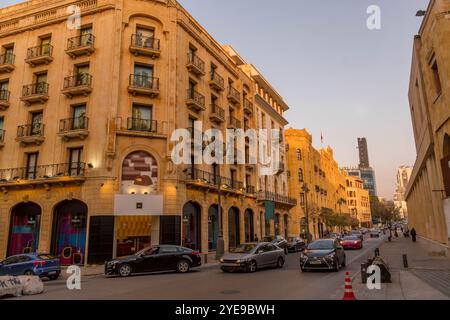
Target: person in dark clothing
(413,234)
(256,238)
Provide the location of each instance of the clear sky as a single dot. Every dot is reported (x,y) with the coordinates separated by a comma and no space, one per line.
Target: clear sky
(337,76)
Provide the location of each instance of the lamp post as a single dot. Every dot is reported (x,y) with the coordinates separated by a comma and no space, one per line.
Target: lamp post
(220,250)
(305,191)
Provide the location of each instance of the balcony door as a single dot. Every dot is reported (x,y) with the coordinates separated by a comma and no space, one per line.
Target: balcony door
(45,45)
(36,123)
(31,169)
(41,83)
(79,117)
(143,76)
(142,118)
(86,36)
(1,129)
(9,55)
(82,74)
(145,37)
(75,155)
(4,86)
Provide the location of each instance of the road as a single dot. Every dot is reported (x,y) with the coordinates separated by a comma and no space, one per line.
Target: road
(212,284)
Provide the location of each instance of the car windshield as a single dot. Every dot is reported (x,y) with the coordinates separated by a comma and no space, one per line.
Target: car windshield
(321,245)
(243,248)
(351,238)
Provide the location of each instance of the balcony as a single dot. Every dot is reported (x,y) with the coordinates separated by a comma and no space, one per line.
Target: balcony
(138,127)
(143,85)
(4,100)
(44,175)
(31,134)
(146,46)
(74,128)
(277,198)
(39,55)
(7,63)
(36,92)
(195,65)
(250,190)
(234,123)
(81,45)
(195,101)
(217,114)
(281,168)
(2,138)
(199,179)
(248,107)
(80,84)
(234,96)
(216,82)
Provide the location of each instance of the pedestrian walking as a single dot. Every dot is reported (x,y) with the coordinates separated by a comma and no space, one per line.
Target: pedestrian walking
(256,238)
(413,234)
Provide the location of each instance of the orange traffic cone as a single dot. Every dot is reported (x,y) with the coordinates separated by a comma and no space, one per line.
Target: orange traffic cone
(348,291)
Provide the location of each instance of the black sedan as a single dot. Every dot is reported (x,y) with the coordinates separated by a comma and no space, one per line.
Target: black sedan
(325,254)
(296,244)
(155,259)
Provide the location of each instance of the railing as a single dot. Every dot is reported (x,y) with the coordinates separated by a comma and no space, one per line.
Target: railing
(145,125)
(85,40)
(145,42)
(217,79)
(235,122)
(7,58)
(35,88)
(196,61)
(250,189)
(40,51)
(212,179)
(79,80)
(248,105)
(73,169)
(2,135)
(275,197)
(218,110)
(196,96)
(30,130)
(232,183)
(71,124)
(4,95)
(232,92)
(144,82)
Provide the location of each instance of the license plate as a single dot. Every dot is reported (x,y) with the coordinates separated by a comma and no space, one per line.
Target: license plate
(52,272)
(316,262)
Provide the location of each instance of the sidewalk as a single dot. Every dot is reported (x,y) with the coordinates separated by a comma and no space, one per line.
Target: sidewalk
(427,276)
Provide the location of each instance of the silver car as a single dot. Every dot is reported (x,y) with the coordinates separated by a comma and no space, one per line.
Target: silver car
(250,257)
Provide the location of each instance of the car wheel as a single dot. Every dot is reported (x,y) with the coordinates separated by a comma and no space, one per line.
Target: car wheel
(183,266)
(338,265)
(54,277)
(125,270)
(252,266)
(280,262)
(344,262)
(29,273)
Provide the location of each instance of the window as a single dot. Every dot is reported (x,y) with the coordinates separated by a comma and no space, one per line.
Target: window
(79,117)
(41,83)
(45,43)
(86,36)
(299,154)
(31,169)
(143,76)
(75,161)
(302,199)
(192,86)
(82,75)
(436,77)
(142,117)
(8,52)
(4,93)
(213,71)
(36,123)
(300,175)
(2,133)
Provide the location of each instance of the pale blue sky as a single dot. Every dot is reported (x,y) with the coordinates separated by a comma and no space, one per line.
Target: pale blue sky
(337,76)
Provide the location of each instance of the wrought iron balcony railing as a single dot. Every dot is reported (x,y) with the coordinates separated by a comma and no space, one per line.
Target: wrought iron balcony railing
(248,106)
(38,88)
(7,58)
(30,130)
(144,125)
(85,40)
(73,124)
(234,122)
(195,100)
(213,180)
(234,95)
(144,42)
(144,82)
(45,172)
(195,64)
(40,51)
(4,96)
(216,81)
(78,80)
(275,197)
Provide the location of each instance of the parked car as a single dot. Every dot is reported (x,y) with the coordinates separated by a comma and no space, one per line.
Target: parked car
(281,242)
(335,235)
(43,265)
(375,234)
(357,233)
(325,254)
(352,242)
(296,244)
(250,257)
(155,259)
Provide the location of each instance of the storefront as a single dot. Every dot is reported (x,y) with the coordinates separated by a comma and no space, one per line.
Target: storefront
(24,228)
(233,228)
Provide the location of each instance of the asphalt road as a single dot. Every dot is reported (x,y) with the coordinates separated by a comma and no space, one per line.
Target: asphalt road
(211,283)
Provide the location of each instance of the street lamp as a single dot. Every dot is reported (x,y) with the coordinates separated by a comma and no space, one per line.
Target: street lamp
(421,13)
(220,250)
(305,191)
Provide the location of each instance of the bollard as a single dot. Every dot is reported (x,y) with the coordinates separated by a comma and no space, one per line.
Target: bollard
(377,252)
(405,261)
(364,272)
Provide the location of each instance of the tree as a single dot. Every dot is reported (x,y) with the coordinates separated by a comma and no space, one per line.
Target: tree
(384,212)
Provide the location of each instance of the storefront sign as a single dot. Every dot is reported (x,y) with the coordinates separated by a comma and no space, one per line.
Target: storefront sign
(138,205)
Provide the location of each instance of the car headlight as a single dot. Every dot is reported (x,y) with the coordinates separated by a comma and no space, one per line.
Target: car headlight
(221,260)
(112,263)
(330,256)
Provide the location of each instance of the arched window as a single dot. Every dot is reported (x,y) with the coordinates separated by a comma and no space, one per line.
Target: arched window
(299,154)
(139,173)
(300,175)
